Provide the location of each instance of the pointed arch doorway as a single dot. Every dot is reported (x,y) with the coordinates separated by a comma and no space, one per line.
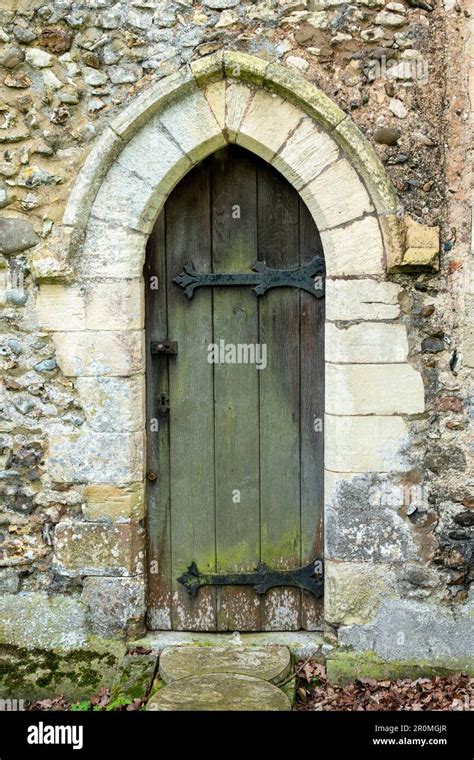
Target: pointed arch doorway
(236,464)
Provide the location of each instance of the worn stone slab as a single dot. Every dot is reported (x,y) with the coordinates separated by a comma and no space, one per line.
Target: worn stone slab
(309,151)
(60,308)
(115,606)
(366,518)
(237,98)
(406,629)
(152,140)
(361,299)
(355,249)
(336,196)
(114,305)
(219,692)
(96,353)
(302,644)
(215,96)
(112,503)
(91,457)
(373,389)
(98,549)
(267,124)
(355,590)
(111,251)
(193,126)
(271,663)
(127,200)
(366,342)
(113,403)
(366,444)
(38,620)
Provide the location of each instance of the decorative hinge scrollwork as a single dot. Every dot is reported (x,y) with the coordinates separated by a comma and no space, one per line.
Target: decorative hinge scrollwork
(309,277)
(309,577)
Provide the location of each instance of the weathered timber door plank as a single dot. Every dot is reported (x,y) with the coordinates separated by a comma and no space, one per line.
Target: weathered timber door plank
(191,418)
(234,248)
(278,243)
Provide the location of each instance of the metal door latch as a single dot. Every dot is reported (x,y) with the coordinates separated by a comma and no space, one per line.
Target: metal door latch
(164,347)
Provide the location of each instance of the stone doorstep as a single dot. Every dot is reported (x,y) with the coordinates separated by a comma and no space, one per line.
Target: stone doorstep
(230,677)
(302,644)
(268,663)
(219,692)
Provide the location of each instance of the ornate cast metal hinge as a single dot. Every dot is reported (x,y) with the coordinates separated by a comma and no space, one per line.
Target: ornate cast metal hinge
(262,579)
(309,277)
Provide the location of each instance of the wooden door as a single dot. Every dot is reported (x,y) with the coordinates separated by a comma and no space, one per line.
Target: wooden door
(235,465)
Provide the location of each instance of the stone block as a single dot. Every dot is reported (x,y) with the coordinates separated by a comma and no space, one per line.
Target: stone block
(306,155)
(115,606)
(237,99)
(365,519)
(366,444)
(193,125)
(415,631)
(373,389)
(366,342)
(111,251)
(83,548)
(113,403)
(127,200)
(163,173)
(336,196)
(95,353)
(354,591)
(361,299)
(38,620)
(215,96)
(111,503)
(267,124)
(114,305)
(421,246)
(355,249)
(96,457)
(60,307)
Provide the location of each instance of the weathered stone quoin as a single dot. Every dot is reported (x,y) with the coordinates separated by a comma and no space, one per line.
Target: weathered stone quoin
(106,107)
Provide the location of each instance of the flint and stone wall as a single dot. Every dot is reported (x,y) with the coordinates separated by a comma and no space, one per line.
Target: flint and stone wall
(87,91)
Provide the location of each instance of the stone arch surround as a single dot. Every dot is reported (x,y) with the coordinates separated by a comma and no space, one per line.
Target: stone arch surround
(90,297)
